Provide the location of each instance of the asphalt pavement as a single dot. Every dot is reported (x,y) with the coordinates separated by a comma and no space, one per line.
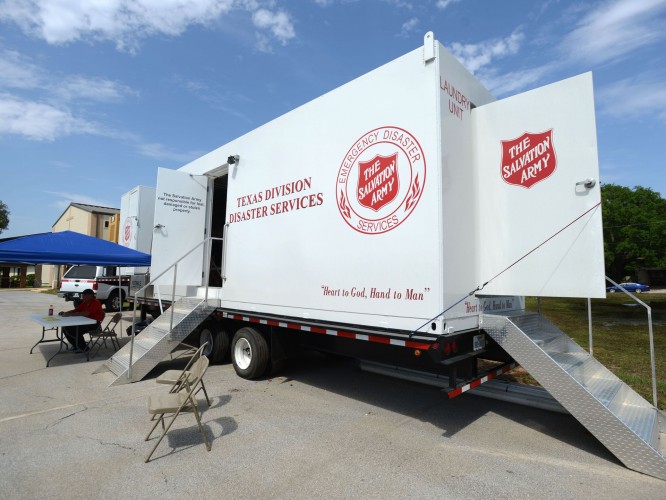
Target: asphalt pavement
(321,428)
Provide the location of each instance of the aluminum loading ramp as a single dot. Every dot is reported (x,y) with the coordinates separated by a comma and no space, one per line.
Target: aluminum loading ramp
(616,415)
(157,340)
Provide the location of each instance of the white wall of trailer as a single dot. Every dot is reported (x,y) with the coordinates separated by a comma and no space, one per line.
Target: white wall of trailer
(300,242)
(458,93)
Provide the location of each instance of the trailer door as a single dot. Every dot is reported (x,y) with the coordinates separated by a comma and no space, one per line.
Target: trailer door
(538,193)
(180,222)
(129,213)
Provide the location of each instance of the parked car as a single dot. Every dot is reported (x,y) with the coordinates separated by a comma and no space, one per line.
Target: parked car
(629,287)
(78,278)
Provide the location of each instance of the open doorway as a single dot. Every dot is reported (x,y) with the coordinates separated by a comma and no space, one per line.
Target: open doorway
(218,218)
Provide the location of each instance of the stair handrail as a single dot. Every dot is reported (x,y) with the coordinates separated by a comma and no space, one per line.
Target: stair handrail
(651,337)
(207,241)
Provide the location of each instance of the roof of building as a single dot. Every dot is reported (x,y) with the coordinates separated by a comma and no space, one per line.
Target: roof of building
(94,209)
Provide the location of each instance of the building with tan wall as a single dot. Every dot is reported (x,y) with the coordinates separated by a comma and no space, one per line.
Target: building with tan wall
(91,220)
(87,219)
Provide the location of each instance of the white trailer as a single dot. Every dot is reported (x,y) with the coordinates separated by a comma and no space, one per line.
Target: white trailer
(400,218)
(137,213)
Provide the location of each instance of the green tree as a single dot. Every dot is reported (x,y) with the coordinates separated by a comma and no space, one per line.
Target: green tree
(634,229)
(4,217)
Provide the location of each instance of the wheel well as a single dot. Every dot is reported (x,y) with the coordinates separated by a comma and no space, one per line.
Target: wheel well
(234,326)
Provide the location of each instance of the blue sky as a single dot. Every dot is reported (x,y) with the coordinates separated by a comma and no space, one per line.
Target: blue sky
(95,95)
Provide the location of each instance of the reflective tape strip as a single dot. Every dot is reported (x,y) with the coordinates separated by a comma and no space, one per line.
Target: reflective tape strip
(479,381)
(330,331)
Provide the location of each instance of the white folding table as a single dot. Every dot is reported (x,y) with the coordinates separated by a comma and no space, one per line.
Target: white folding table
(55,323)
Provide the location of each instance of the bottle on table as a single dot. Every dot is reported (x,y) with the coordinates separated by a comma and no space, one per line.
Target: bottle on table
(51,310)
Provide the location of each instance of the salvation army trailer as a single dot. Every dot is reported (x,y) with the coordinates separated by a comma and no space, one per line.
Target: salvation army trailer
(400,219)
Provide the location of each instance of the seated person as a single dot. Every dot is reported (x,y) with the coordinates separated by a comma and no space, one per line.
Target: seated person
(91,308)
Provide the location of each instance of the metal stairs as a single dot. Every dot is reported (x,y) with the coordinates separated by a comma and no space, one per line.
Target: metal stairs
(157,340)
(617,416)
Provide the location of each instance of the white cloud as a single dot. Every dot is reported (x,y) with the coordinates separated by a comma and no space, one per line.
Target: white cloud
(19,72)
(479,55)
(443,4)
(230,103)
(67,198)
(93,89)
(161,152)
(633,98)
(615,29)
(63,165)
(400,4)
(512,82)
(46,115)
(127,22)
(278,23)
(124,22)
(16,71)
(409,26)
(263,44)
(39,121)
(481,60)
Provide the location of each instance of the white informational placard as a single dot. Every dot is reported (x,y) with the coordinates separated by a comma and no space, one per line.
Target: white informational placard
(539,198)
(180,217)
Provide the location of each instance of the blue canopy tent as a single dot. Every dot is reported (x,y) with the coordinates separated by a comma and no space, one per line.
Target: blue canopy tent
(68,247)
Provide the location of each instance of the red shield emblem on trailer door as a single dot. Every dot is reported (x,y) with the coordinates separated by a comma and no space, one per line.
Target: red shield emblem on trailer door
(127,232)
(378,181)
(528,159)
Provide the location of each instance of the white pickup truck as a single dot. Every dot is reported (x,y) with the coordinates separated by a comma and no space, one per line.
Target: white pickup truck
(104,281)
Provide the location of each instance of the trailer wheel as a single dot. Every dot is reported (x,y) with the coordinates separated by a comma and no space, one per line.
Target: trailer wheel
(115,300)
(218,343)
(249,353)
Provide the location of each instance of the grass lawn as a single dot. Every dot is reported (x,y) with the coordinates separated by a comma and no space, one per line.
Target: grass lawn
(620,335)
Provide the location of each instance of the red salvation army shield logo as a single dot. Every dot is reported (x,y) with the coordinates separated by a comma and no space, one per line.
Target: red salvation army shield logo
(127,231)
(528,159)
(380,180)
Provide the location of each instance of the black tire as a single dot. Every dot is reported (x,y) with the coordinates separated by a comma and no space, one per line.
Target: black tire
(249,353)
(113,303)
(217,349)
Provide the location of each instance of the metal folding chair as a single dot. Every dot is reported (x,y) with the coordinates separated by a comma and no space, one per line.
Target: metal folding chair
(176,378)
(99,337)
(181,400)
